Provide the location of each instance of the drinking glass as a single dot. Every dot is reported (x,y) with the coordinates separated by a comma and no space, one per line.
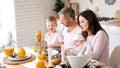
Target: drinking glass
(36,47)
(8,50)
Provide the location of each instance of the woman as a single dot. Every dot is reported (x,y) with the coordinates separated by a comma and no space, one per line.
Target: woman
(95,35)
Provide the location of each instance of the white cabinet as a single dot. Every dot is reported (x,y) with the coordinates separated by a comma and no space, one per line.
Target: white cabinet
(114,36)
(114,30)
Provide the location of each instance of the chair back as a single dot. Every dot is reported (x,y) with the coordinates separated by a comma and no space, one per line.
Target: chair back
(115,57)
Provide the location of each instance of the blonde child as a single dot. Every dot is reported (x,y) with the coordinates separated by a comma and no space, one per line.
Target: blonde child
(53,38)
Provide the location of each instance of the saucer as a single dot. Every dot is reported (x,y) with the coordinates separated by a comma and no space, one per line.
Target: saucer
(19,58)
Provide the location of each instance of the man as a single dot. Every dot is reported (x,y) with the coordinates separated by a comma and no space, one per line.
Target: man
(67,18)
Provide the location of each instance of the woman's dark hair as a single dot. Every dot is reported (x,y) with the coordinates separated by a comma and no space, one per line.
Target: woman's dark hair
(94,25)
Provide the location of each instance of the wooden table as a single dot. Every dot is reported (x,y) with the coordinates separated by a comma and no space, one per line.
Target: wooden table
(31,64)
(107,67)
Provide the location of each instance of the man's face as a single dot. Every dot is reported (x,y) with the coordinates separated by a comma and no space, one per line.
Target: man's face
(64,20)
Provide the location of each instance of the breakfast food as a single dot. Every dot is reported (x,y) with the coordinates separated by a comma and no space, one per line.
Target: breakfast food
(21,52)
(57,56)
(56,61)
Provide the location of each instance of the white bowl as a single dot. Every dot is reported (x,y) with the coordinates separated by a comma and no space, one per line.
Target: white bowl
(78,61)
(54,52)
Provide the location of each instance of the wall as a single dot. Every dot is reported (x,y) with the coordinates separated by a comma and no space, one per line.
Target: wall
(25,17)
(8,16)
(114,36)
(30,17)
(104,9)
(0,13)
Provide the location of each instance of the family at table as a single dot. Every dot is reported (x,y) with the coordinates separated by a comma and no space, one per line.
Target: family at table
(86,31)
(76,34)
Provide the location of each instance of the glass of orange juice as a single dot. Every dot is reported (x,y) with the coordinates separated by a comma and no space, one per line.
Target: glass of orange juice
(8,50)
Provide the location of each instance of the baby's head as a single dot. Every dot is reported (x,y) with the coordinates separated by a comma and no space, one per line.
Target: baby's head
(79,39)
(51,23)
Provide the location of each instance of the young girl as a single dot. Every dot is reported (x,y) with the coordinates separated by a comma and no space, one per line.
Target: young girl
(53,38)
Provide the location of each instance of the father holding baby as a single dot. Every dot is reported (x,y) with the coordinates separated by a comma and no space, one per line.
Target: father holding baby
(67,17)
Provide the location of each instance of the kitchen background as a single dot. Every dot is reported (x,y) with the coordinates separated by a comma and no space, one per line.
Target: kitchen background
(23,18)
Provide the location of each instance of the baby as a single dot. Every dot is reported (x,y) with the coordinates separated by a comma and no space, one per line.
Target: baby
(53,38)
(80,45)
(79,41)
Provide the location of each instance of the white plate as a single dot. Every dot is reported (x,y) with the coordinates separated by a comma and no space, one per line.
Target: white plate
(54,52)
(20,58)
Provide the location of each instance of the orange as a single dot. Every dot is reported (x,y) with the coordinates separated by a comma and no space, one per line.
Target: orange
(41,56)
(39,36)
(40,64)
(8,50)
(21,52)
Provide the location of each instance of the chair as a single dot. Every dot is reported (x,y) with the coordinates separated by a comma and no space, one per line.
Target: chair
(115,57)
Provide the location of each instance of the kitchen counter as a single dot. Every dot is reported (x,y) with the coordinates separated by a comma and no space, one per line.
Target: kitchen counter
(111,23)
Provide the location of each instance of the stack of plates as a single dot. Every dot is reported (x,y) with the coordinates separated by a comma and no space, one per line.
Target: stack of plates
(19,58)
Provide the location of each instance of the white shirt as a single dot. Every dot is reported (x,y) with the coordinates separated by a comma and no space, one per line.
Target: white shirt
(54,38)
(68,37)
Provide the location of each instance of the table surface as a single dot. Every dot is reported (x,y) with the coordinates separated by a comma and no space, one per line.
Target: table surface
(31,64)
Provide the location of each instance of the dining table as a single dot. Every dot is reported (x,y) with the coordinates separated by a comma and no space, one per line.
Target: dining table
(31,64)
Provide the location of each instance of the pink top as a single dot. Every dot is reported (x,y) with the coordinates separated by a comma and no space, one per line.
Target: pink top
(99,47)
